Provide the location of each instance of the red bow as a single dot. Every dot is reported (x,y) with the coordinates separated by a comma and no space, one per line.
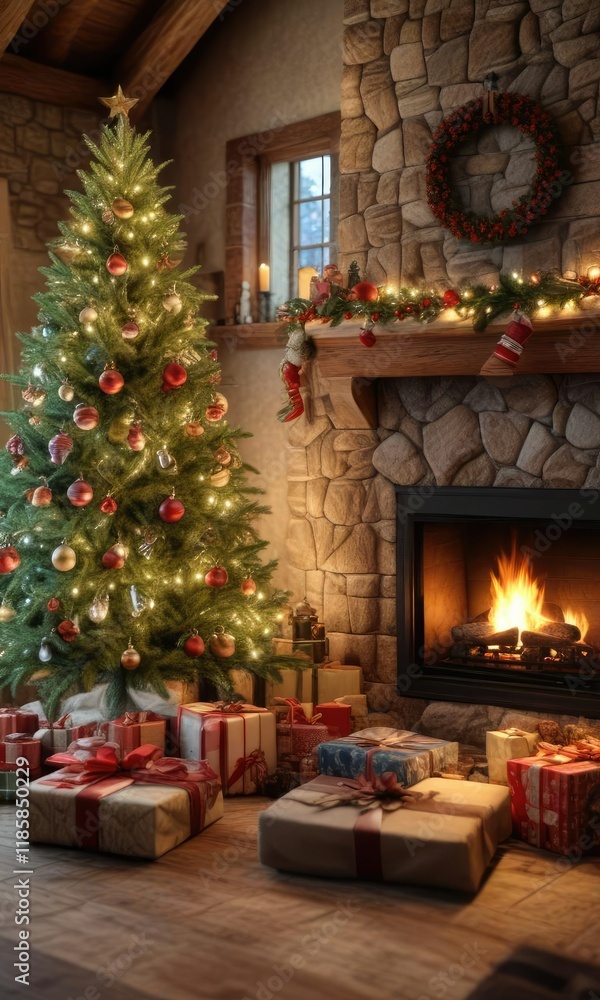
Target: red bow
(579,750)
(100,761)
(18,738)
(296,714)
(256,763)
(59,724)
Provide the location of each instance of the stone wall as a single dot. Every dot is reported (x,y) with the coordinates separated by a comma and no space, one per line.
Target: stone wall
(525,431)
(407,64)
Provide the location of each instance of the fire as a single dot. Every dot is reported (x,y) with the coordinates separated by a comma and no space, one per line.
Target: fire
(517,597)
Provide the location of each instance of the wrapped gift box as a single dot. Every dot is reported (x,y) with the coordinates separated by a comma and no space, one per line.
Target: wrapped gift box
(237,740)
(336,717)
(358,704)
(243,683)
(17,746)
(441,835)
(17,720)
(371,752)
(294,684)
(297,734)
(59,735)
(555,799)
(507,744)
(133,729)
(144,807)
(339,679)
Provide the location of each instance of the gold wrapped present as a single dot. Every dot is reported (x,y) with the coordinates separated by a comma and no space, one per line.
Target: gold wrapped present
(503,745)
(438,833)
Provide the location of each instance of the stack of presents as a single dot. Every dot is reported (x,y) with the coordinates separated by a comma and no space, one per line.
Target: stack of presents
(351,801)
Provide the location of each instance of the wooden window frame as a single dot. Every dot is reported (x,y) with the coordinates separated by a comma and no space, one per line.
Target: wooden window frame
(248,186)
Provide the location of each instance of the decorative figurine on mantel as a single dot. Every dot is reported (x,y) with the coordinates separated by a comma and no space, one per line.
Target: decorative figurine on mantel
(243,313)
(322,288)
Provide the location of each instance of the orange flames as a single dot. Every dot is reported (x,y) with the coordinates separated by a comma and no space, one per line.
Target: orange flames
(518,598)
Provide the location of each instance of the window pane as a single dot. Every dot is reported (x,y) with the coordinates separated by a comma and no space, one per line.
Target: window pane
(326,174)
(311,223)
(326,236)
(310,258)
(311,180)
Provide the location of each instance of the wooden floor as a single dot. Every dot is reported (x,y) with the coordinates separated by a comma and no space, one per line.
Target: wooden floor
(208,921)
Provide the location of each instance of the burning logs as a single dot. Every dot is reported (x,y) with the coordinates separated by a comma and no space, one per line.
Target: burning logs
(482,633)
(546,640)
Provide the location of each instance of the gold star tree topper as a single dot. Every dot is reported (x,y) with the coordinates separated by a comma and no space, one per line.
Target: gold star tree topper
(119,104)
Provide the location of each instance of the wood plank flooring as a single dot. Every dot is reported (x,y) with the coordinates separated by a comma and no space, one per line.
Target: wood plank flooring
(208,921)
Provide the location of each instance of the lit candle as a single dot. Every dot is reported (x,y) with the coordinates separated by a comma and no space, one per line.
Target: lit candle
(264,277)
(304,276)
(593,273)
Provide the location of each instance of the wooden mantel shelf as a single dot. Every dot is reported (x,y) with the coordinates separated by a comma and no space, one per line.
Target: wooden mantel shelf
(565,343)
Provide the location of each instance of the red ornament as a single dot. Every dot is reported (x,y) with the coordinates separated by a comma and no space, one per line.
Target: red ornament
(60,447)
(111,381)
(194,645)
(80,493)
(194,429)
(365,291)
(216,577)
(171,510)
(116,264)
(248,587)
(426,303)
(348,315)
(9,559)
(367,337)
(174,375)
(53,604)
(214,355)
(135,438)
(108,505)
(15,446)
(86,417)
(450,299)
(67,630)
(114,558)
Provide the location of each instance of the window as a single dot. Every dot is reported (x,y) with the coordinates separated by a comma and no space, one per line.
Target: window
(311,213)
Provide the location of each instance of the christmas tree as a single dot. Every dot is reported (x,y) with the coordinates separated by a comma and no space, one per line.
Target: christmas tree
(128,552)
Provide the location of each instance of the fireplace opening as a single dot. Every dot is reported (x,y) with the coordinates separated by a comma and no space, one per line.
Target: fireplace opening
(499,597)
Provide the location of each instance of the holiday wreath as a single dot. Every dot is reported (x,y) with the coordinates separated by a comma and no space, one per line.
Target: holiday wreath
(507,109)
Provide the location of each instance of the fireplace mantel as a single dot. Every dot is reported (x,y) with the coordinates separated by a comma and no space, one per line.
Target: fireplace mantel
(565,343)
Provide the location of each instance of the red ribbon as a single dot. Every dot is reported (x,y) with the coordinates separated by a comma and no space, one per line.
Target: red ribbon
(214,737)
(256,763)
(21,721)
(25,745)
(103,774)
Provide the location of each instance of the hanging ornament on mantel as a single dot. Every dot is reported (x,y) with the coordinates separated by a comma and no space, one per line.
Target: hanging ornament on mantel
(122,208)
(116,264)
(367,337)
(66,391)
(98,609)
(509,348)
(130,658)
(111,381)
(108,505)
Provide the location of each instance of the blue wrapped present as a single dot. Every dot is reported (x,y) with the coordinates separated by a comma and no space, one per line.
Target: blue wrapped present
(371,752)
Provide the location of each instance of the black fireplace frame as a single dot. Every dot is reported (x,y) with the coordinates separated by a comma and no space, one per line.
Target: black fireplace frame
(551,692)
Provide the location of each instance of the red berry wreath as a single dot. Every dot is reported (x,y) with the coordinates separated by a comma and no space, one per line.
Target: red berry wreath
(510,109)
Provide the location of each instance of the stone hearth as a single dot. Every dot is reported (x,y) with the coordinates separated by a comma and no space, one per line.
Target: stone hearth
(525,431)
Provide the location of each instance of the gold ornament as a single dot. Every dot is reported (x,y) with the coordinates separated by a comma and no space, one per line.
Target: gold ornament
(7,612)
(88,315)
(122,208)
(130,658)
(221,643)
(119,104)
(64,558)
(220,478)
(222,456)
(66,392)
(67,251)
(172,303)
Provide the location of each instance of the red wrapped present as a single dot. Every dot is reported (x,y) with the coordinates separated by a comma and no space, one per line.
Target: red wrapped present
(59,735)
(20,746)
(555,798)
(15,720)
(297,736)
(337,718)
(142,806)
(238,741)
(136,728)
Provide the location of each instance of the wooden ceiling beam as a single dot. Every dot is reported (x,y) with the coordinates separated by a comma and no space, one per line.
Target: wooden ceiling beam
(162,47)
(12,15)
(55,42)
(46,83)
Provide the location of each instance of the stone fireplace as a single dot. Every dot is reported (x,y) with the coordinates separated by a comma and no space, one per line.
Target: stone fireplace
(411,414)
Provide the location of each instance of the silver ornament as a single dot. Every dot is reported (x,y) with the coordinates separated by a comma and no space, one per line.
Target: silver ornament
(66,392)
(98,609)
(45,653)
(150,539)
(138,602)
(165,460)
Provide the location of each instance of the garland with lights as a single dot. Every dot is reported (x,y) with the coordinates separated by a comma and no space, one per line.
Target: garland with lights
(384,307)
(509,109)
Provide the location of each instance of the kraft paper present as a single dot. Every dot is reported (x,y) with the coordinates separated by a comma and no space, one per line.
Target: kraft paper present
(357,702)
(507,744)
(371,752)
(413,846)
(133,729)
(294,684)
(337,679)
(122,817)
(555,803)
(239,744)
